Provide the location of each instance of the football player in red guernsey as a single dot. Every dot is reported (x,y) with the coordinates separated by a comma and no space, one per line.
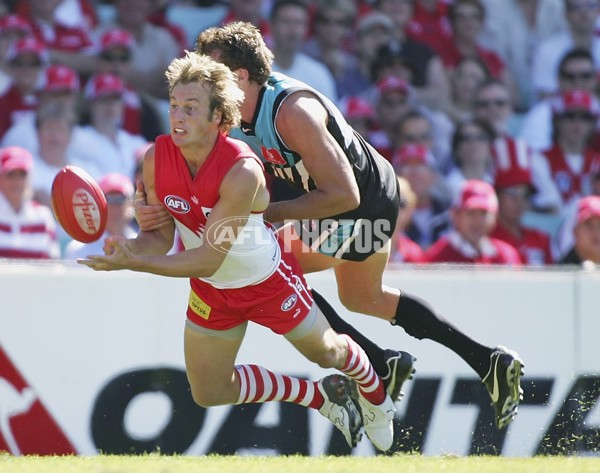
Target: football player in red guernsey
(214,188)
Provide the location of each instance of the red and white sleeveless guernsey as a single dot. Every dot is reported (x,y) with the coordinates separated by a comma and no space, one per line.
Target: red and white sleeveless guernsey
(255,254)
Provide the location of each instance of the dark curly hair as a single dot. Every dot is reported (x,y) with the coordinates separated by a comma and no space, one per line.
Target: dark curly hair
(238,45)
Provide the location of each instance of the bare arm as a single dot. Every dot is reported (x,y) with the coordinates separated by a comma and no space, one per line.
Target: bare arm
(238,192)
(160,240)
(301,123)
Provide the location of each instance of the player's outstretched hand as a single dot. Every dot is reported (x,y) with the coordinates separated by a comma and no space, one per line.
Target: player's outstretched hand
(149,217)
(117,256)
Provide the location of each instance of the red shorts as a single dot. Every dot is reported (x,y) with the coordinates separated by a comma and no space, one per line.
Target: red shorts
(279,303)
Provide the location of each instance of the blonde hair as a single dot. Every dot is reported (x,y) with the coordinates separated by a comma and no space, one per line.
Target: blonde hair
(225,95)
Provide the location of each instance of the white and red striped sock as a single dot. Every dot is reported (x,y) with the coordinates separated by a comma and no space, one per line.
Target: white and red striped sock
(260,385)
(359,368)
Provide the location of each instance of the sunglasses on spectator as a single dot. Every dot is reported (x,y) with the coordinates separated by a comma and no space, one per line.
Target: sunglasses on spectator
(582,6)
(575,115)
(585,75)
(491,103)
(26,63)
(417,138)
(472,137)
(116,199)
(333,21)
(112,57)
(468,16)
(520,192)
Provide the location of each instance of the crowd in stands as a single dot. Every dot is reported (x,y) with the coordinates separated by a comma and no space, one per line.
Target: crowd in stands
(488,110)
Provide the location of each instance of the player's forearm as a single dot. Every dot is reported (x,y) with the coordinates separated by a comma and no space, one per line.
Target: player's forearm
(186,264)
(151,243)
(316,204)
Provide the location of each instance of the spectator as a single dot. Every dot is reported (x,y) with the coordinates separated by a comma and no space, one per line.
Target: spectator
(140,115)
(330,43)
(118,190)
(154,47)
(586,233)
(428,76)
(466,18)
(571,161)
(105,146)
(582,16)
(405,250)
(26,59)
(73,13)
(12,27)
(514,188)
(576,71)
(27,229)
(564,236)
(429,22)
(54,132)
(417,126)
(373,31)
(393,101)
(69,45)
(474,216)
(250,11)
(492,103)
(429,217)
(468,74)
(61,87)
(472,154)
(359,114)
(289,26)
(514,28)
(160,17)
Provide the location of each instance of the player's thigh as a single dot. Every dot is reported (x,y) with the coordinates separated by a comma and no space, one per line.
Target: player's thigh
(310,260)
(362,279)
(209,360)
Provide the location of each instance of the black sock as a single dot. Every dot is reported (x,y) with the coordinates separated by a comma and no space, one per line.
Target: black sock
(418,320)
(373,351)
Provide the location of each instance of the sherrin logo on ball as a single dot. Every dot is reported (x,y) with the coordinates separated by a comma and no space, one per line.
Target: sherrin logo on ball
(79,204)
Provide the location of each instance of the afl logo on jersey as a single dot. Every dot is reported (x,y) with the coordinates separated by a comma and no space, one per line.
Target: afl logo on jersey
(289,302)
(177,204)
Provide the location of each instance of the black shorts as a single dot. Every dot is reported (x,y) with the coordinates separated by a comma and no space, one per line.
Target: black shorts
(352,239)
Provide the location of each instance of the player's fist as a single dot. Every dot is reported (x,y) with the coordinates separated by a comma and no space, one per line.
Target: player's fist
(149,217)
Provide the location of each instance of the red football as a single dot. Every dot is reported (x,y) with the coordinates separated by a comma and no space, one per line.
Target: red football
(79,204)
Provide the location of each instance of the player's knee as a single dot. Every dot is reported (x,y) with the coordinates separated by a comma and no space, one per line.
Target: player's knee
(355,301)
(327,358)
(207,397)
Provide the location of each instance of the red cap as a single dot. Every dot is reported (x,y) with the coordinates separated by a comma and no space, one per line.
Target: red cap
(392,84)
(15,157)
(27,45)
(478,195)
(576,100)
(512,159)
(14,22)
(355,107)
(101,85)
(588,207)
(115,182)
(59,77)
(413,153)
(116,37)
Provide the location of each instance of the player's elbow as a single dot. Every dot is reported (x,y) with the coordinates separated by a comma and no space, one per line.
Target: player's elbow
(349,200)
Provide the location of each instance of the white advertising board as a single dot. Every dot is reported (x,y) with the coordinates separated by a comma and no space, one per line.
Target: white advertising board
(93,362)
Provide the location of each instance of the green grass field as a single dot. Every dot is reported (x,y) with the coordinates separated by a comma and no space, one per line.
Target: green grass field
(236,464)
